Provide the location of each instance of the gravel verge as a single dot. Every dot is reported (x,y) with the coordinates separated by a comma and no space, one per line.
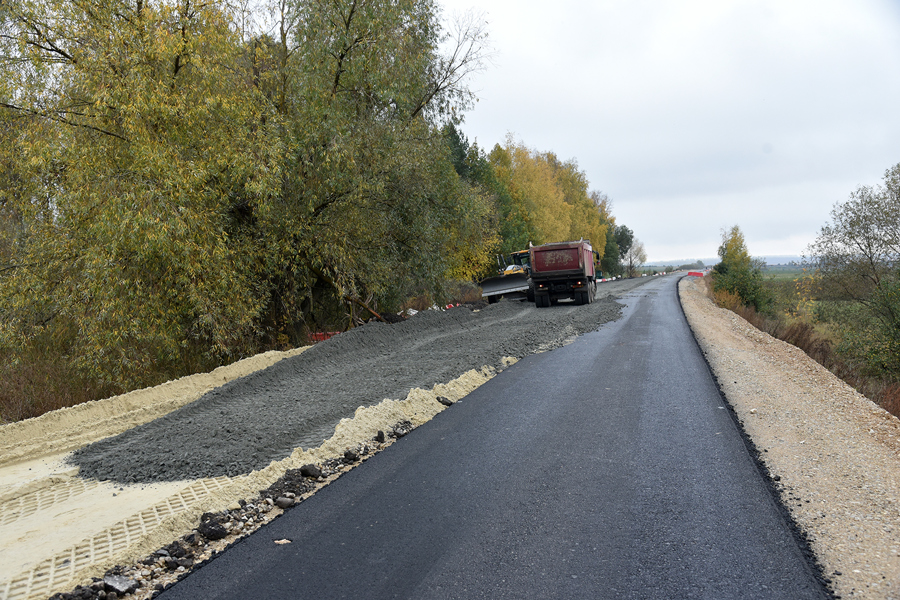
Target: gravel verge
(830,452)
(263,417)
(66,429)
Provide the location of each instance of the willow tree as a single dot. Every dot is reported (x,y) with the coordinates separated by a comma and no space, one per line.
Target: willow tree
(369,201)
(177,195)
(143,142)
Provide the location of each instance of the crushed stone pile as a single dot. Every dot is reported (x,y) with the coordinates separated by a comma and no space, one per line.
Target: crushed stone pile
(262,417)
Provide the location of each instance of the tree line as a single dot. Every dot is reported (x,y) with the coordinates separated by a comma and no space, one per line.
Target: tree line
(179,190)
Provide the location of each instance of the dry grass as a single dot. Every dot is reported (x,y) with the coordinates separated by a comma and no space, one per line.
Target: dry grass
(890,399)
(420,302)
(818,346)
(39,384)
(458,292)
(465,293)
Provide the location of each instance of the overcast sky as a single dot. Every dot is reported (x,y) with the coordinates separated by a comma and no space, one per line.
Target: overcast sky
(695,115)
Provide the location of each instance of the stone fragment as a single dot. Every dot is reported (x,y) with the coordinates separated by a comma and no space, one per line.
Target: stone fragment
(444,400)
(117,584)
(212,529)
(401,429)
(350,456)
(284,502)
(311,471)
(379,437)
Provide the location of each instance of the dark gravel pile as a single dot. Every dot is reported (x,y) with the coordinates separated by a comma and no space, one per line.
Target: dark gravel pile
(249,422)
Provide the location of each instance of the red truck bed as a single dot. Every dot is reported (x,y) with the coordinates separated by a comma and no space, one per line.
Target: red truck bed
(562,257)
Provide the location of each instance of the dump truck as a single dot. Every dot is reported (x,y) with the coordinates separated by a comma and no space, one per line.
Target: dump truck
(563,270)
(513,279)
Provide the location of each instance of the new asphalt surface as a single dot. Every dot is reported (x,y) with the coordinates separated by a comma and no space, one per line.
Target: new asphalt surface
(608,468)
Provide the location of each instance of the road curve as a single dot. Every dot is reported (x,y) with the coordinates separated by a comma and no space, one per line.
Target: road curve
(608,468)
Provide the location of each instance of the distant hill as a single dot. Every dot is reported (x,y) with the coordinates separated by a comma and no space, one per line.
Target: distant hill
(781,259)
(775,259)
(684,261)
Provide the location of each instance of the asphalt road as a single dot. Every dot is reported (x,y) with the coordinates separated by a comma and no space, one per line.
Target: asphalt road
(608,468)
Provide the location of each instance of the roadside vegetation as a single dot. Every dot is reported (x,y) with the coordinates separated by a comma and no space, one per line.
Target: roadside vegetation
(181,187)
(842,305)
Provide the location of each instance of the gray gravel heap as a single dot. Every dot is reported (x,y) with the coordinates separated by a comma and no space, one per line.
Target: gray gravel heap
(249,422)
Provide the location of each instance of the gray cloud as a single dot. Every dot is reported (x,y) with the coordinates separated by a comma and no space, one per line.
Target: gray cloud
(697,115)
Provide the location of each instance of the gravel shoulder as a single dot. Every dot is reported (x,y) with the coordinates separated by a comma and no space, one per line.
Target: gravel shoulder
(247,423)
(832,454)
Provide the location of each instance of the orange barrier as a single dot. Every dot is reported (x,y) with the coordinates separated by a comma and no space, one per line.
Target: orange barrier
(320,336)
(696,274)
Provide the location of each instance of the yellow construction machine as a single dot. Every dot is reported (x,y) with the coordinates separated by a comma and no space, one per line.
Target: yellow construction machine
(513,278)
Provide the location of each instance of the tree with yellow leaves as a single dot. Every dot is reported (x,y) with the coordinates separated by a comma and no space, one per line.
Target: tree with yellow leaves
(553,193)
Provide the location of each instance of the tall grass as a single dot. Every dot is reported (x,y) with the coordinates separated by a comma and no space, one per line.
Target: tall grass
(41,382)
